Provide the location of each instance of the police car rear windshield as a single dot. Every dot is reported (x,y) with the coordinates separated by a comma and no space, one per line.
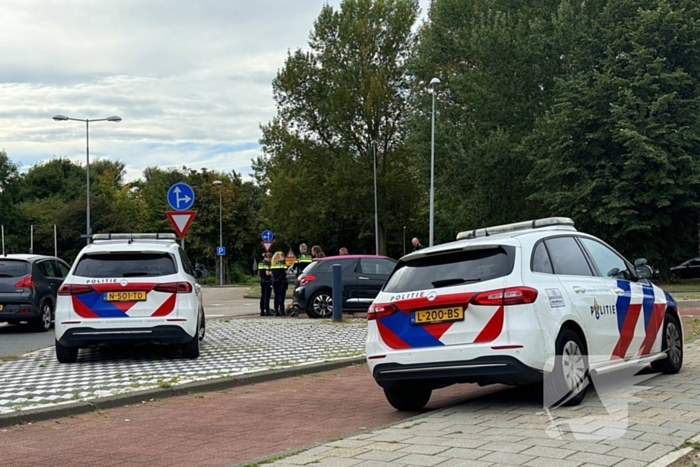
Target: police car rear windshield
(452,269)
(126,265)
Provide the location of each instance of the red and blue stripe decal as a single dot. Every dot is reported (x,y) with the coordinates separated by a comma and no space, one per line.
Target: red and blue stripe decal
(93,305)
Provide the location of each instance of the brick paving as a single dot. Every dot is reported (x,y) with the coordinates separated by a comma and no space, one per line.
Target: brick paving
(218,428)
(510,427)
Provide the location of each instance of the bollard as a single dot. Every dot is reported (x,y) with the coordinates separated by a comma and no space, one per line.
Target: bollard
(337,292)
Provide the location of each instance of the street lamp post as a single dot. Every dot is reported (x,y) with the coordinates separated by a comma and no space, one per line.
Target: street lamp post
(61,118)
(221,233)
(433,83)
(376,216)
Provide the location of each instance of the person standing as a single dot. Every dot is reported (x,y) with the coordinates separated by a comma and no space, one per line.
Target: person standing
(317,252)
(279,282)
(343,251)
(265,272)
(303,260)
(416,244)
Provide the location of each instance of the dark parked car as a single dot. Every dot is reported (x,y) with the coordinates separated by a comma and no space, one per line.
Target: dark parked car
(363,278)
(688,270)
(28,287)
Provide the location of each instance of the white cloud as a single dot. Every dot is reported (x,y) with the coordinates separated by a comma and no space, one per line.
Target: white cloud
(191,80)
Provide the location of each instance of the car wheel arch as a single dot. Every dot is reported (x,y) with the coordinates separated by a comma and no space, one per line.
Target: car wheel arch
(575,327)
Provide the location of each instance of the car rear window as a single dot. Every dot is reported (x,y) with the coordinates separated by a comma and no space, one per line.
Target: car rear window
(462,267)
(126,265)
(318,267)
(13,268)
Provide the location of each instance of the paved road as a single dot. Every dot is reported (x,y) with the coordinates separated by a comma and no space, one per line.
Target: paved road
(218,428)
(218,303)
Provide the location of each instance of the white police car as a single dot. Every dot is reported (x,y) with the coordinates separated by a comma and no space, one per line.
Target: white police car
(517,304)
(129,288)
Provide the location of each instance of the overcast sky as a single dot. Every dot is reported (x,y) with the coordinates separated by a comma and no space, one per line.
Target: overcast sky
(190,79)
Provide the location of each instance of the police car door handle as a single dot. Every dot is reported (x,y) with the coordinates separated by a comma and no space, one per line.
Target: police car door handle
(363,278)
(619,291)
(578,289)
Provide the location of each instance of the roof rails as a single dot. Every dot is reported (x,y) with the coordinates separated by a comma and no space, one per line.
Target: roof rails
(518,226)
(130,237)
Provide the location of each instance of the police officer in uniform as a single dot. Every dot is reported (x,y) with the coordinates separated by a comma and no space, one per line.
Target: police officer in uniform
(265,273)
(279,281)
(303,260)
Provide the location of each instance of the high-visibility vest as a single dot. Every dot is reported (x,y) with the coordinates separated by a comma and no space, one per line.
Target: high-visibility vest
(304,258)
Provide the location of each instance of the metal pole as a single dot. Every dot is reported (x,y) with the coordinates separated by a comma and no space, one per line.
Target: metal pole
(404,240)
(221,233)
(87,153)
(31,240)
(337,292)
(55,242)
(2,228)
(432,173)
(376,217)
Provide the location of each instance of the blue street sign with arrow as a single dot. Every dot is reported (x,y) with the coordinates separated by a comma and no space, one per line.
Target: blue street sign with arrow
(181,196)
(267,236)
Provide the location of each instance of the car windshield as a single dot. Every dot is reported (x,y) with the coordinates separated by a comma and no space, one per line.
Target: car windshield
(452,268)
(126,265)
(13,268)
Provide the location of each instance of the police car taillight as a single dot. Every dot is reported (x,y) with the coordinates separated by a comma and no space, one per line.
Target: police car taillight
(380,311)
(75,289)
(174,287)
(509,296)
(306,279)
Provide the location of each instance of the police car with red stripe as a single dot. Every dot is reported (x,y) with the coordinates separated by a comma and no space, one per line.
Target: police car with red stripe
(523,303)
(129,288)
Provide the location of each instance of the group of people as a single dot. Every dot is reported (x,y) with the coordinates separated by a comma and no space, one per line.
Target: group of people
(273,271)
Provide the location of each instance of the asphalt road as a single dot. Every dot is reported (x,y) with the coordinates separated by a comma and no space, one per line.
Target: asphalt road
(218,303)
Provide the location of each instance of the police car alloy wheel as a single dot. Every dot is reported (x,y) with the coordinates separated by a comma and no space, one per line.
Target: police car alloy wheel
(672,344)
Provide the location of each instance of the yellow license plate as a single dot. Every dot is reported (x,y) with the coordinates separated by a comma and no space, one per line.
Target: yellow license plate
(440,315)
(125,296)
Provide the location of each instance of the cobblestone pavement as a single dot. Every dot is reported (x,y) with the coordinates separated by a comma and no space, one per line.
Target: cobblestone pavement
(511,428)
(231,347)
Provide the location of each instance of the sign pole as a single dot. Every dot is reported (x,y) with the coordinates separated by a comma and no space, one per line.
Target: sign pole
(2,228)
(55,242)
(31,240)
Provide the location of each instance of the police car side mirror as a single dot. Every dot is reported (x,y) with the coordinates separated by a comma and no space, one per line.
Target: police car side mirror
(644,271)
(640,262)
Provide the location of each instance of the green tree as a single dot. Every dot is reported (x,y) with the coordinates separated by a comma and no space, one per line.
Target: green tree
(333,100)
(619,151)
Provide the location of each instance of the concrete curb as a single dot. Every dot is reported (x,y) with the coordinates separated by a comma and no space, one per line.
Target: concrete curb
(119,400)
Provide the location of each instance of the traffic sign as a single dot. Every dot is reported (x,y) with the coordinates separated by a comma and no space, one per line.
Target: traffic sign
(220,251)
(181,221)
(180,196)
(267,236)
(290,259)
(267,245)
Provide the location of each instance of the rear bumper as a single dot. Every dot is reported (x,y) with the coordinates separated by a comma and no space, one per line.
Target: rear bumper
(85,336)
(482,370)
(18,311)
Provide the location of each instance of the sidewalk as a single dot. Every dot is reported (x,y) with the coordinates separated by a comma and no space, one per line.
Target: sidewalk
(219,428)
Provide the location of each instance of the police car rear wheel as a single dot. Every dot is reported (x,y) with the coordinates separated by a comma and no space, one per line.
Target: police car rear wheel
(568,382)
(191,349)
(672,344)
(321,306)
(408,399)
(66,354)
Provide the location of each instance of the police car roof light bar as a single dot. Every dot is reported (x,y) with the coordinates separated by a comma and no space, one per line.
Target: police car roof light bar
(518,226)
(134,236)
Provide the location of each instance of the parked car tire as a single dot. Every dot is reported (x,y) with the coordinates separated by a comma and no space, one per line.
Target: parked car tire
(408,398)
(43,322)
(190,350)
(569,380)
(320,305)
(202,327)
(66,354)
(672,344)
